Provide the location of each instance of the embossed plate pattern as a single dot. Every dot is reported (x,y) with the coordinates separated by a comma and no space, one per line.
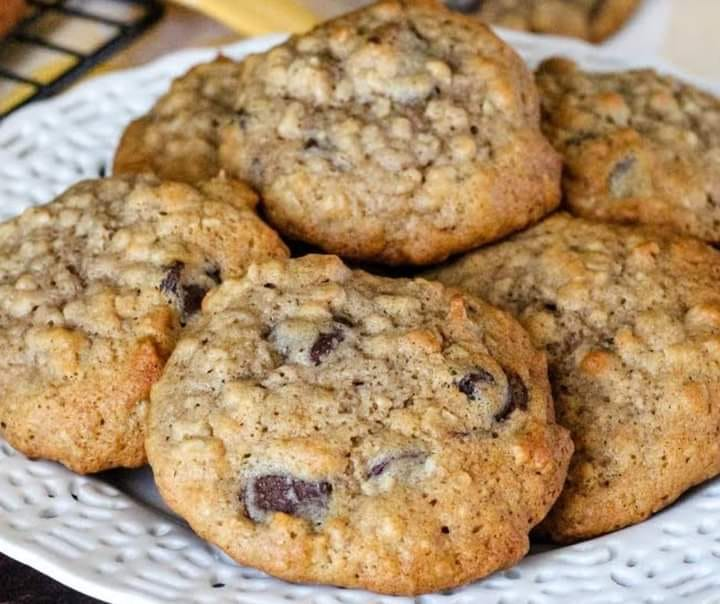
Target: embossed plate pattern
(111,537)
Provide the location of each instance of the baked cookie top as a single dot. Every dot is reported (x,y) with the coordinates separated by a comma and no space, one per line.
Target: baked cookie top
(326,425)
(179,140)
(400,133)
(630,321)
(591,20)
(639,147)
(94,288)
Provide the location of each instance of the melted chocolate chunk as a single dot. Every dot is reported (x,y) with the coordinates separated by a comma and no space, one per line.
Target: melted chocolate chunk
(187,297)
(278,493)
(470,384)
(516,398)
(324,345)
(192,298)
(379,467)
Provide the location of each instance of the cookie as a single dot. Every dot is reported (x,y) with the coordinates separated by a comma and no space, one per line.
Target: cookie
(179,139)
(639,147)
(590,20)
(401,133)
(11,13)
(94,289)
(630,321)
(325,425)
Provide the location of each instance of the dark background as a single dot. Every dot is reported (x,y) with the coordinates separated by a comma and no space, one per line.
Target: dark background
(20,584)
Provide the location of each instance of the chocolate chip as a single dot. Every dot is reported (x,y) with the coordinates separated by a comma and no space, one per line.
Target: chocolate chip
(278,493)
(188,297)
(379,467)
(324,345)
(516,398)
(465,6)
(616,180)
(310,144)
(170,283)
(192,298)
(470,384)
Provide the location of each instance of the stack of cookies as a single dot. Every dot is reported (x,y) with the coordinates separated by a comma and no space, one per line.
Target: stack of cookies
(329,424)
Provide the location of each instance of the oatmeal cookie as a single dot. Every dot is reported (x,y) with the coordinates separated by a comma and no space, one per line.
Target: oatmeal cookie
(325,425)
(630,321)
(639,147)
(94,288)
(179,139)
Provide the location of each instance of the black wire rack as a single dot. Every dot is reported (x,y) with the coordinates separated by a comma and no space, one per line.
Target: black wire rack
(126,31)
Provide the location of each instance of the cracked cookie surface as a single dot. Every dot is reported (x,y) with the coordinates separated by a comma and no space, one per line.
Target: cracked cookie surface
(401,133)
(325,425)
(94,288)
(591,20)
(630,321)
(639,147)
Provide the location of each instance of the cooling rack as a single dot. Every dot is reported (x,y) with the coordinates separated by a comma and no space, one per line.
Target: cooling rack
(120,31)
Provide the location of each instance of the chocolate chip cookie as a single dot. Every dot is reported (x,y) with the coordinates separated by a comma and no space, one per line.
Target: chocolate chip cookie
(630,321)
(326,425)
(639,147)
(94,289)
(591,20)
(401,133)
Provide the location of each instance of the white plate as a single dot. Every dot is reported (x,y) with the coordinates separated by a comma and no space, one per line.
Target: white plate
(111,537)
